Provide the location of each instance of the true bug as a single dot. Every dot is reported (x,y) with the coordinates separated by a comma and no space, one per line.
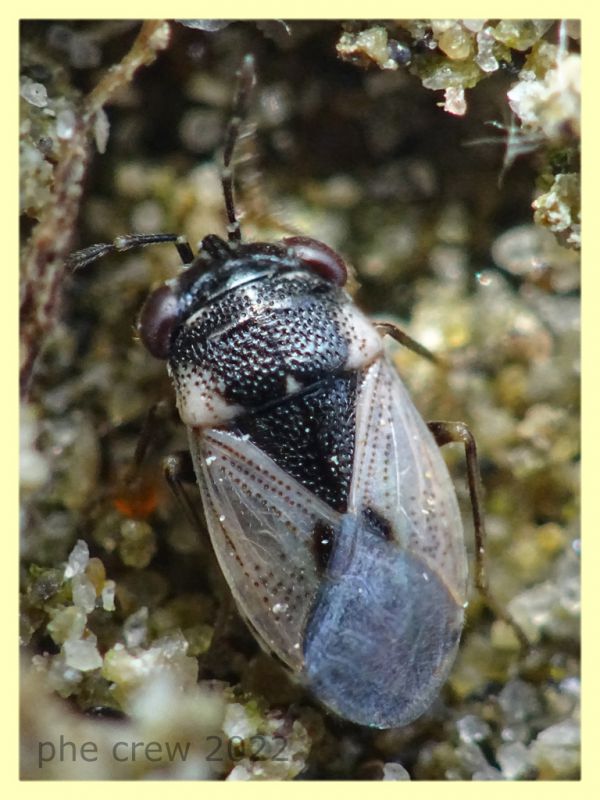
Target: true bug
(329,506)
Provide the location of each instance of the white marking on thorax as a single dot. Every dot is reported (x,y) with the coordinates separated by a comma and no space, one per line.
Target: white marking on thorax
(364,343)
(292,385)
(200,399)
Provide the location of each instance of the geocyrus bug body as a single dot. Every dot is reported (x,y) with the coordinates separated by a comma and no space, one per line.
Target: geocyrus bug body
(329,506)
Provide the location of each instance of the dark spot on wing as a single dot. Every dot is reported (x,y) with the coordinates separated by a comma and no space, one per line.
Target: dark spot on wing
(377,524)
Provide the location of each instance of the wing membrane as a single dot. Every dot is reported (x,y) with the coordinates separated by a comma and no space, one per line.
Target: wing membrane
(400,474)
(261,523)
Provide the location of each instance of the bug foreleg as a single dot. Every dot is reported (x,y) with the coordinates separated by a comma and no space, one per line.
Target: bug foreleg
(155,414)
(404,339)
(444,433)
(179,472)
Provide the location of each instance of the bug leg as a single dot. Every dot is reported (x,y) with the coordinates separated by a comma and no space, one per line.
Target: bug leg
(134,492)
(155,414)
(444,433)
(81,258)
(400,336)
(179,472)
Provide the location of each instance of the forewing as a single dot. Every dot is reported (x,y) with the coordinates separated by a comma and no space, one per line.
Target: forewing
(400,474)
(261,522)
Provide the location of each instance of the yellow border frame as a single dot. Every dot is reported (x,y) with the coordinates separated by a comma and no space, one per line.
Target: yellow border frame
(310,9)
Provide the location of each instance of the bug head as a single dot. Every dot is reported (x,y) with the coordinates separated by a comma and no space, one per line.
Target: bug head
(220,268)
(221,264)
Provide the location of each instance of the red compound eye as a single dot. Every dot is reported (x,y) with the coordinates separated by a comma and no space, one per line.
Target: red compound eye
(158,317)
(319,258)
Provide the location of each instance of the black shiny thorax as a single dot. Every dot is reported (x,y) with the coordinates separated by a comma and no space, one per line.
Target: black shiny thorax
(264,343)
(311,436)
(269,334)
(219,269)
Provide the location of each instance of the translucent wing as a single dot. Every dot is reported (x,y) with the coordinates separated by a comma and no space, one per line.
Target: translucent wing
(400,474)
(384,631)
(387,622)
(261,522)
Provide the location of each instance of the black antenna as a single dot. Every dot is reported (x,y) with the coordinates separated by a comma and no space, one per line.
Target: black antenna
(81,258)
(246,81)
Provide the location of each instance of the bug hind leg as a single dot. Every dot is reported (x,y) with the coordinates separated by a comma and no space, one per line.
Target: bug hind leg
(445,433)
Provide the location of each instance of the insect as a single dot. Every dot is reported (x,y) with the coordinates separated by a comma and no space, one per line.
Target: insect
(329,506)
